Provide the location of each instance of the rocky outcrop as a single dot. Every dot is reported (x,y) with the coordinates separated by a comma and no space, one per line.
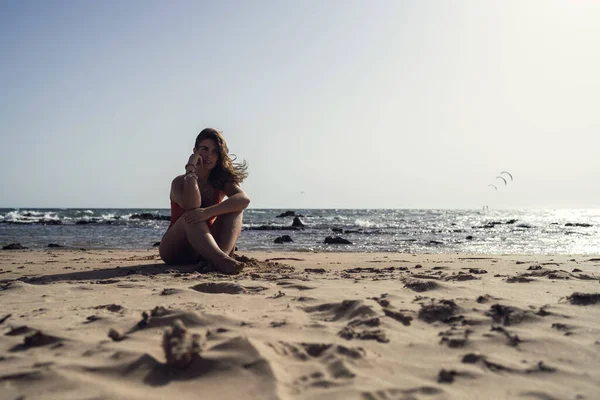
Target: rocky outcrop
(286,214)
(14,246)
(152,217)
(272,228)
(297,223)
(283,239)
(336,240)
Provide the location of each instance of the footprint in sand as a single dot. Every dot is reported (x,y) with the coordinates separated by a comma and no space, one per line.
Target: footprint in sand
(509,315)
(419,285)
(292,285)
(110,307)
(483,361)
(170,291)
(455,337)
(584,299)
(226,288)
(37,339)
(346,310)
(350,333)
(333,361)
(442,310)
(518,279)
(397,393)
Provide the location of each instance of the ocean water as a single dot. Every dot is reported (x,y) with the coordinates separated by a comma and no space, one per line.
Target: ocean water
(378,230)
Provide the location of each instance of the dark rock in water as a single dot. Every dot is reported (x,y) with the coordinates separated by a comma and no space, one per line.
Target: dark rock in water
(434,242)
(523,225)
(87,221)
(489,225)
(142,216)
(352,231)
(584,299)
(272,228)
(510,222)
(469,237)
(336,240)
(156,244)
(286,214)
(337,230)
(283,239)
(51,222)
(14,246)
(582,225)
(55,245)
(576,270)
(149,216)
(297,223)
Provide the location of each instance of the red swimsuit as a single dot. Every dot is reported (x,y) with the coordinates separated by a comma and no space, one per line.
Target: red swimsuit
(177,211)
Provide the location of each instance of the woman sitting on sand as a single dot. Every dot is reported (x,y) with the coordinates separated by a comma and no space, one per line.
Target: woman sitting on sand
(203,225)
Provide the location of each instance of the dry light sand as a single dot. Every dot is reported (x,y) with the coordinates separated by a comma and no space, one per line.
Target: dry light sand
(108,324)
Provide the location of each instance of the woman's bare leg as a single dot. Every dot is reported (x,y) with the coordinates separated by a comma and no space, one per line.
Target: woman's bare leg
(185,242)
(226,231)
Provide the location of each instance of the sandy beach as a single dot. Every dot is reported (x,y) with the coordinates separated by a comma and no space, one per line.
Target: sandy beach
(104,324)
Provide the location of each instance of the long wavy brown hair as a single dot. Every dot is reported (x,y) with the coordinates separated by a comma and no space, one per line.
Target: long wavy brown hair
(226,169)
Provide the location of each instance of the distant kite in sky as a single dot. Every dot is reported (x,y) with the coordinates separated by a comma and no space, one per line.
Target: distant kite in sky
(504,179)
(507,173)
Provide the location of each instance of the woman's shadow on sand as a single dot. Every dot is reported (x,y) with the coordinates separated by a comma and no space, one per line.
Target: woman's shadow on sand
(112,275)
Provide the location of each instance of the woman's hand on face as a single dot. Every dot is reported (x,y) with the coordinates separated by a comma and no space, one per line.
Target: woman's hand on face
(196,215)
(196,159)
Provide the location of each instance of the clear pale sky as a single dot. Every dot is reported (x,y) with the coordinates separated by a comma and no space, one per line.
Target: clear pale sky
(358,104)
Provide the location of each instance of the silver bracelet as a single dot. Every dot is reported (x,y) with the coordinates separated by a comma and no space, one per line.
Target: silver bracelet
(191,174)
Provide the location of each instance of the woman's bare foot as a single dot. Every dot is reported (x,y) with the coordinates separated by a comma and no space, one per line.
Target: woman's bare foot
(229,266)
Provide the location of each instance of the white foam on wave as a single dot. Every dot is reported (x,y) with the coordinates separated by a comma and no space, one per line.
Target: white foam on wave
(50,217)
(31,213)
(363,223)
(90,212)
(17,216)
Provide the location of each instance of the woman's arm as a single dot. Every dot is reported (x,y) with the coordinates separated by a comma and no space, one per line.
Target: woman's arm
(237,200)
(185,192)
(184,188)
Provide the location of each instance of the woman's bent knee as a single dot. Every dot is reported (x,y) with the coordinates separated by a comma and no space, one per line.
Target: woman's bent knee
(166,256)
